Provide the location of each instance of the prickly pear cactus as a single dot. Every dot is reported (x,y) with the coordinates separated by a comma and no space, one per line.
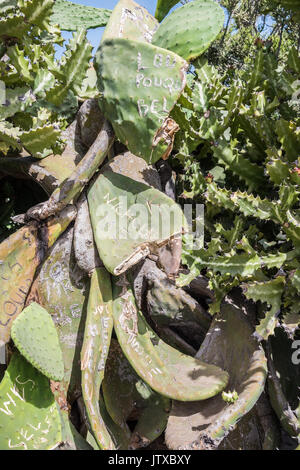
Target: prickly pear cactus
(190,30)
(72,16)
(62,289)
(20,255)
(166,370)
(163,7)
(29,418)
(172,307)
(126,395)
(71,438)
(35,336)
(130,21)
(204,424)
(125,235)
(140,84)
(96,342)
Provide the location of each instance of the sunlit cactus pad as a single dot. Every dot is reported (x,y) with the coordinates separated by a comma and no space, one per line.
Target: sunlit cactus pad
(188,31)
(29,417)
(125,235)
(34,334)
(167,371)
(72,16)
(130,21)
(140,84)
(163,7)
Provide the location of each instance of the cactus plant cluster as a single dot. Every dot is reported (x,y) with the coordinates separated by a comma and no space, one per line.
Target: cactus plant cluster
(41,93)
(108,347)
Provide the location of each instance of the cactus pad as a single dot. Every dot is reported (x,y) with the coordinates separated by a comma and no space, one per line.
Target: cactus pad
(97,336)
(203,424)
(72,16)
(62,289)
(125,235)
(140,84)
(166,370)
(20,255)
(29,418)
(34,334)
(188,31)
(130,21)
(163,7)
(125,393)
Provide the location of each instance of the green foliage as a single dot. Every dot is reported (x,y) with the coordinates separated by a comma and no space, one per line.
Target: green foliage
(40,92)
(232,122)
(72,16)
(34,334)
(252,210)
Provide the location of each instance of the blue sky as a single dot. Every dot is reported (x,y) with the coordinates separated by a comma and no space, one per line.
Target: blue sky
(94,35)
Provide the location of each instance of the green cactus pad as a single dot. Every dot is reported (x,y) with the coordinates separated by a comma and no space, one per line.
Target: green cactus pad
(204,424)
(166,370)
(130,21)
(188,31)
(29,418)
(62,289)
(121,436)
(125,235)
(72,16)
(34,334)
(124,393)
(140,84)
(71,439)
(96,342)
(163,7)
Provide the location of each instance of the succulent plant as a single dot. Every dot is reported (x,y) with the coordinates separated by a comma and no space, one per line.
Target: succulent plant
(140,84)
(204,424)
(62,289)
(107,332)
(134,227)
(129,20)
(72,16)
(96,342)
(189,30)
(163,7)
(40,91)
(20,255)
(29,416)
(156,362)
(284,382)
(126,396)
(35,336)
